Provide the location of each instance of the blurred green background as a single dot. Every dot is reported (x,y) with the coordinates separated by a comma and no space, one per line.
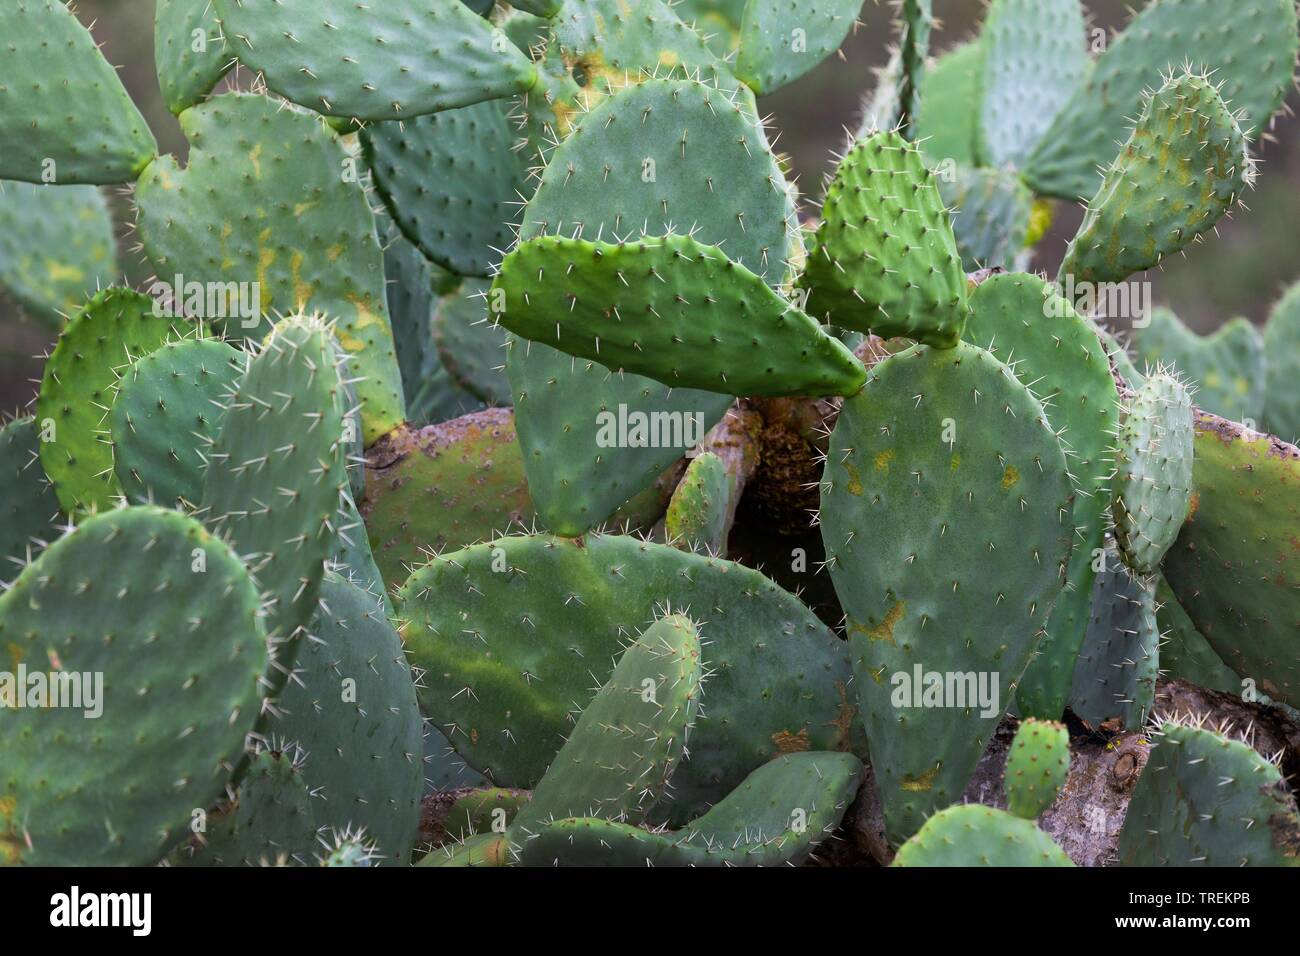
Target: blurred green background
(1241,272)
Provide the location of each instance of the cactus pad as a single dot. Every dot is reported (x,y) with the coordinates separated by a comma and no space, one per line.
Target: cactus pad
(781,40)
(1233,567)
(1282,348)
(276,471)
(616,763)
(471,344)
(77,126)
(267,199)
(946,517)
(1249,47)
(189,50)
(1226,368)
(352,709)
(56,247)
(697,513)
(30,507)
(394,60)
(1115,672)
(1034,58)
(1022,321)
(180,654)
(975,835)
(1037,766)
(1205,799)
(777,816)
(673,309)
(1153,481)
(660,154)
(167,411)
(1182,170)
(779,683)
(991,215)
(79,388)
(886,260)
(452,181)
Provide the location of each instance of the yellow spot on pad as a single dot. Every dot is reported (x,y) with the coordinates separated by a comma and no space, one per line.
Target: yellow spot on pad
(884,631)
(919,783)
(1010,477)
(855,480)
(883,459)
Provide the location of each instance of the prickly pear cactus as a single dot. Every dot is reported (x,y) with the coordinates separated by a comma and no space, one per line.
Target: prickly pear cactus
(464,444)
(1207,798)
(1037,765)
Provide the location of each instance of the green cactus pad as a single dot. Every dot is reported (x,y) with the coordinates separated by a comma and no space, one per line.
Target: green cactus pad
(673,309)
(1248,46)
(30,509)
(946,514)
(781,40)
(56,247)
(452,181)
(471,344)
(167,411)
(617,761)
(484,850)
(975,835)
(1226,368)
(1116,669)
(1038,764)
(1282,351)
(79,387)
(352,709)
(727,187)
(180,655)
(1024,322)
(1153,480)
(697,513)
(1035,57)
(776,817)
(190,51)
(484,811)
(352,558)
(607,44)
(950,107)
(1184,651)
(275,474)
(991,214)
(1207,800)
(1233,567)
(77,126)
(1182,170)
(267,198)
(780,677)
(394,60)
(886,260)
(410,299)
(443,487)
(270,822)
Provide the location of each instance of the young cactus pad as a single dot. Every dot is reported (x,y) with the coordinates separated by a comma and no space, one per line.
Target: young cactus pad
(885,259)
(1153,484)
(1037,766)
(673,309)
